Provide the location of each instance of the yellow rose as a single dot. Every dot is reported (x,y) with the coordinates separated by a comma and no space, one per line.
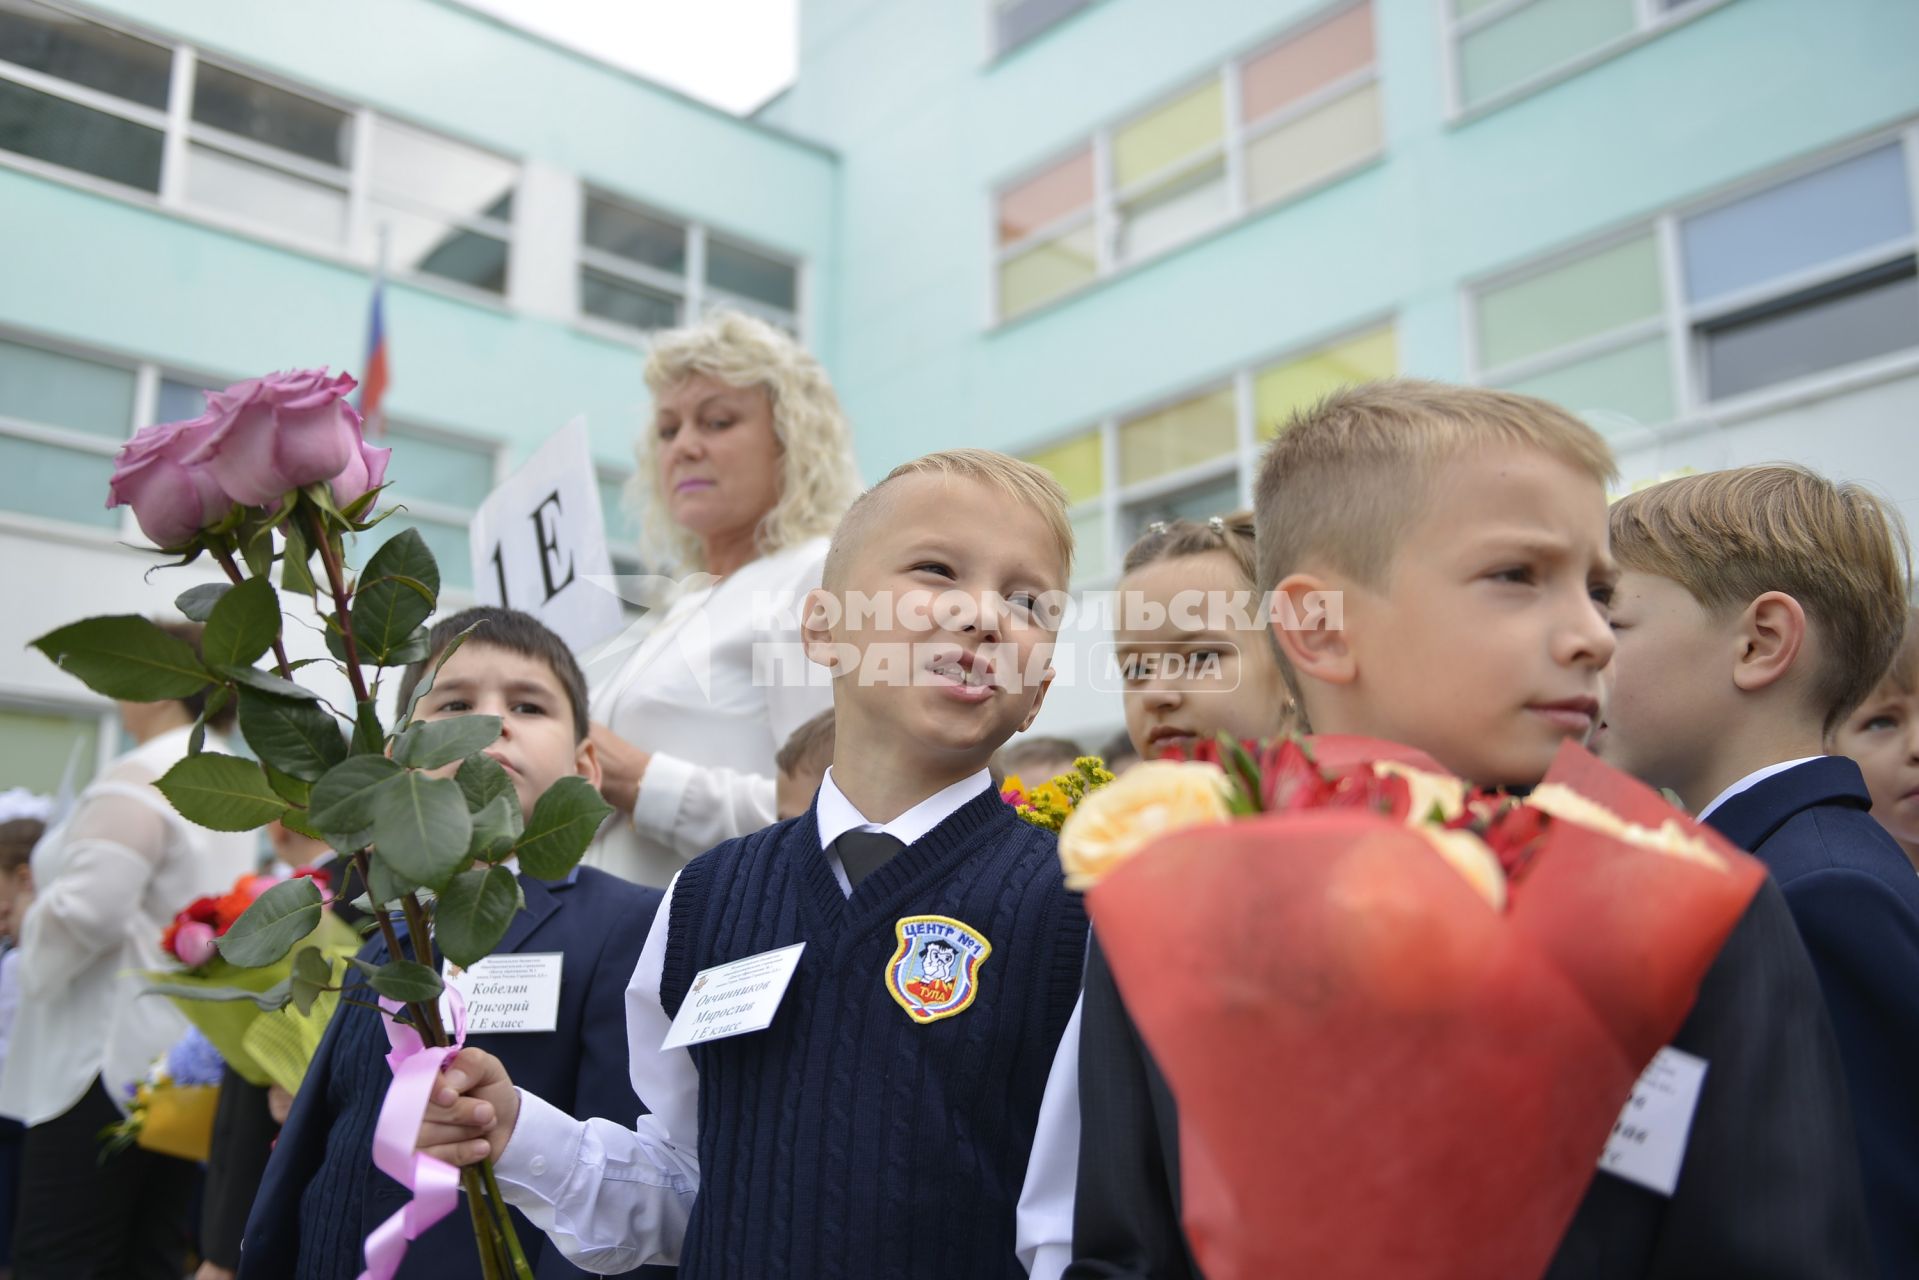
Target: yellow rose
(1566,805)
(1430,791)
(1121,818)
(1467,854)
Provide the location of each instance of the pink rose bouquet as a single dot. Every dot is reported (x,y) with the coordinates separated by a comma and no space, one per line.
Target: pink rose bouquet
(257,441)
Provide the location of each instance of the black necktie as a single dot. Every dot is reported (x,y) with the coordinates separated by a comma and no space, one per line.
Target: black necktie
(864,852)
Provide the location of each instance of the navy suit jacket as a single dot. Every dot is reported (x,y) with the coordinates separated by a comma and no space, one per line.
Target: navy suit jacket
(321,1195)
(1855,899)
(1769,1189)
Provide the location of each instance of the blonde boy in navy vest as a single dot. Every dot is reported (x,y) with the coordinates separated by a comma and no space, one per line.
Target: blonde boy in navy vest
(881,1124)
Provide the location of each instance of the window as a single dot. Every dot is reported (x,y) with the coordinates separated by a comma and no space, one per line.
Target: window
(1182,435)
(636,270)
(62,419)
(1307,112)
(97,101)
(1311,107)
(1017,21)
(441,479)
(83,96)
(445,208)
(42,747)
(1501,48)
(1192,457)
(622,538)
(272,156)
(1805,275)
(1047,221)
(1591,326)
(1283,388)
(1197,502)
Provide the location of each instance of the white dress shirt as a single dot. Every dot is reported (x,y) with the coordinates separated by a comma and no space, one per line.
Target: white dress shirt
(1752,780)
(108,880)
(613,1198)
(1043,1226)
(713,690)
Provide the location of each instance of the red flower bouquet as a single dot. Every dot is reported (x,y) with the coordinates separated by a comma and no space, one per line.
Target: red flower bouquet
(1400,1017)
(238,1008)
(189,939)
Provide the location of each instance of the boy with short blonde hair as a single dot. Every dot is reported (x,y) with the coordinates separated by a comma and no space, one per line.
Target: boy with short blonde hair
(879,1125)
(1757,610)
(1463,534)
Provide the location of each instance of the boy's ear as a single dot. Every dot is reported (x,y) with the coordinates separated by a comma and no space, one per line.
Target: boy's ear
(586,761)
(1309,625)
(1032,712)
(817,615)
(1770,635)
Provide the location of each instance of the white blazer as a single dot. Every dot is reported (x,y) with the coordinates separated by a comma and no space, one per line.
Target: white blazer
(713,689)
(107,881)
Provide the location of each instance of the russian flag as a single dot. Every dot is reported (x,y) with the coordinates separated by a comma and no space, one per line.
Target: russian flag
(373,380)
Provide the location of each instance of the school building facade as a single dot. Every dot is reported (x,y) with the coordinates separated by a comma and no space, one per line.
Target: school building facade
(1121,237)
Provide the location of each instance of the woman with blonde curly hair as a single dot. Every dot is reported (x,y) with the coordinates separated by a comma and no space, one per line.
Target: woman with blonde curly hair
(743,477)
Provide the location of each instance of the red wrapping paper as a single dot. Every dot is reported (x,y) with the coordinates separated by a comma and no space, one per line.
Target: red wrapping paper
(1377,1073)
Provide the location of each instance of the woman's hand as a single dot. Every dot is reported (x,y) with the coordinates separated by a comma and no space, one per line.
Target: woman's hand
(279,1103)
(622,765)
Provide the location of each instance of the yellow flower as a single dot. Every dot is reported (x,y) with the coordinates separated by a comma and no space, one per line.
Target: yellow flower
(1430,791)
(1467,854)
(1670,837)
(1119,819)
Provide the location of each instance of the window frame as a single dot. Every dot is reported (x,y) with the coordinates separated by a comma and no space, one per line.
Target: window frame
(997,52)
(148,375)
(1683,323)
(25,699)
(359,244)
(1649,23)
(1107,211)
(696,297)
(1115,499)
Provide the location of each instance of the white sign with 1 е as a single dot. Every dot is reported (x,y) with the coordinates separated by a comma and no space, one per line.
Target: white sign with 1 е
(539,543)
(734,998)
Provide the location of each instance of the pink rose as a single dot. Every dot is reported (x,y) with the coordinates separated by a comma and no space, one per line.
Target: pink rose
(193,943)
(280,432)
(365,470)
(172,498)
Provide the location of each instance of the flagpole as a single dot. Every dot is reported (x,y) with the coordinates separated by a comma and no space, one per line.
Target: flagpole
(374,374)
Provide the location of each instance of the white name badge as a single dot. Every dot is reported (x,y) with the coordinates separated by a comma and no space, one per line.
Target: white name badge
(509,992)
(1648,1140)
(733,998)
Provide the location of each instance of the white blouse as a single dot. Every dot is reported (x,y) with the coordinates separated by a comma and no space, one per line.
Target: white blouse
(712,690)
(107,881)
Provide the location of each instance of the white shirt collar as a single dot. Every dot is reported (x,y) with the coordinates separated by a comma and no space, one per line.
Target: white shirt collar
(837,816)
(1752,780)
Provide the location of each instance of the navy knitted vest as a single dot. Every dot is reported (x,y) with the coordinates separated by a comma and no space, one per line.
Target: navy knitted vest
(849,1141)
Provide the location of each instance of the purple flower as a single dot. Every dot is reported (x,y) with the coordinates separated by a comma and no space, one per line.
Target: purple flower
(273,434)
(194,1061)
(366,469)
(172,498)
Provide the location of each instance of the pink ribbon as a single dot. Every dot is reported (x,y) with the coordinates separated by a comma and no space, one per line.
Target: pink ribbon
(434,1184)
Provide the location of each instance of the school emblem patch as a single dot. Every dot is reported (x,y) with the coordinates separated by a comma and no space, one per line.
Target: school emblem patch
(934,973)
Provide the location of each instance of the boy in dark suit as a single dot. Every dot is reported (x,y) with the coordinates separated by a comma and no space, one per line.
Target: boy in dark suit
(321,1195)
(1463,533)
(878,1127)
(1757,609)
